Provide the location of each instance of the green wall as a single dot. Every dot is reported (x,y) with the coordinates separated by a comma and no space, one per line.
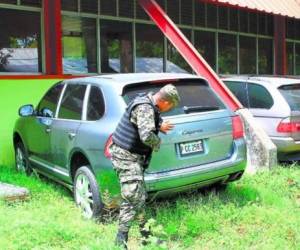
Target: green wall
(13,94)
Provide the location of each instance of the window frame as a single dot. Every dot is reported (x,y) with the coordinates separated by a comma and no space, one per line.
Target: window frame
(90,86)
(83,111)
(257,84)
(140,20)
(42,56)
(239,82)
(136,20)
(58,100)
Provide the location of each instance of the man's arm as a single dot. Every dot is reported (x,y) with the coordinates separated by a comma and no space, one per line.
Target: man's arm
(143,117)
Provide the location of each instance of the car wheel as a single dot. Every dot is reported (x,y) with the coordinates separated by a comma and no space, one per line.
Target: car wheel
(21,159)
(86,193)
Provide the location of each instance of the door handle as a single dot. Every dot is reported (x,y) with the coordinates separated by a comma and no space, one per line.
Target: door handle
(71,135)
(48,130)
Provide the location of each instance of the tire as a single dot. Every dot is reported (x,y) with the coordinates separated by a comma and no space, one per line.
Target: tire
(86,193)
(21,159)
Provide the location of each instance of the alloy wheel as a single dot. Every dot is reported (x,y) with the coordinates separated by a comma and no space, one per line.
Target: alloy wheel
(20,160)
(84,195)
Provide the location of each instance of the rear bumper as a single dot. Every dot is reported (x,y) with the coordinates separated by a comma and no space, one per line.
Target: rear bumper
(201,175)
(287,148)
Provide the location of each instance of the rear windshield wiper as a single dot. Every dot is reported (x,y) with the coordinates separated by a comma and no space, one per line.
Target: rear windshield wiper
(191,109)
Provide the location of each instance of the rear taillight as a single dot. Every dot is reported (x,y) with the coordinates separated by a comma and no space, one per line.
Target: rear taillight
(107,145)
(286,126)
(237,127)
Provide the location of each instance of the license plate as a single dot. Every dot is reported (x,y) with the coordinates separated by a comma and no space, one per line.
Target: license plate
(193,147)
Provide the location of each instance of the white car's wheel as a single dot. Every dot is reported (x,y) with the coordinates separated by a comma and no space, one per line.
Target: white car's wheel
(86,193)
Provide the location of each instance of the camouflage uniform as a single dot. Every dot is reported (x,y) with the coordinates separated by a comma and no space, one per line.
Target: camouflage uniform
(129,168)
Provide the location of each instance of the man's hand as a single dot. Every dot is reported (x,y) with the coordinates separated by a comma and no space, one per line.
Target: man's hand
(166,126)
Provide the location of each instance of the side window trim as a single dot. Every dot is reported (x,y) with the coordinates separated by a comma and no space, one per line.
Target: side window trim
(85,103)
(59,101)
(38,106)
(263,87)
(99,88)
(61,98)
(244,87)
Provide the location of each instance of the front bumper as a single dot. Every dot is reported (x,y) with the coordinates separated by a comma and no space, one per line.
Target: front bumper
(197,176)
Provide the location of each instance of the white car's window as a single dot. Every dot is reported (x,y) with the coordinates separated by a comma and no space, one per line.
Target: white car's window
(72,102)
(291,94)
(195,95)
(259,97)
(239,89)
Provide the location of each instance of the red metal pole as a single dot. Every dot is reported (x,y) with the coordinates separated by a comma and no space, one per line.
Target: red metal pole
(188,51)
(52,26)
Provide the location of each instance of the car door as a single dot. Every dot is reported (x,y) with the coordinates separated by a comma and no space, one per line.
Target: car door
(65,126)
(39,127)
(260,104)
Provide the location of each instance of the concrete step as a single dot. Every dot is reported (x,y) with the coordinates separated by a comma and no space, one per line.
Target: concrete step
(10,192)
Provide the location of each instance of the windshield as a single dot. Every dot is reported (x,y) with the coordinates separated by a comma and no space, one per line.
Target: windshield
(291,94)
(195,95)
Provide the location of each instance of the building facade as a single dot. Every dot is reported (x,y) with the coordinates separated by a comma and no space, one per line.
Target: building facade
(81,37)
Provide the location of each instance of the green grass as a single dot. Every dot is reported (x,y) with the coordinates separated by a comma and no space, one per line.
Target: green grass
(14,94)
(257,212)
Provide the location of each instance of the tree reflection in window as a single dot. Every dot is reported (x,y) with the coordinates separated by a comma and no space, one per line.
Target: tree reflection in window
(79,45)
(149,49)
(116,47)
(227,54)
(20,42)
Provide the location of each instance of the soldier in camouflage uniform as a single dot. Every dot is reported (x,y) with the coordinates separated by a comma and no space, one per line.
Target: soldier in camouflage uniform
(134,139)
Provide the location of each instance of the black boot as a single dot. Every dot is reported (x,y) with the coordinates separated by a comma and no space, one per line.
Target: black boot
(146,234)
(122,239)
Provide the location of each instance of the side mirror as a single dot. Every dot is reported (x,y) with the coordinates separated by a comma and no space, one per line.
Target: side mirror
(26,110)
(47,113)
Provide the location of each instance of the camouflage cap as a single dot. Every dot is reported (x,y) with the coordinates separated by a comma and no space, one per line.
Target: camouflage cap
(170,93)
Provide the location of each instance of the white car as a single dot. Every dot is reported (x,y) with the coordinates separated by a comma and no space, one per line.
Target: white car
(275,104)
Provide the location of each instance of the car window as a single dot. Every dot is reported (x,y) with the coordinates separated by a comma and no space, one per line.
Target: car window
(291,94)
(50,99)
(259,97)
(95,108)
(72,102)
(239,89)
(192,92)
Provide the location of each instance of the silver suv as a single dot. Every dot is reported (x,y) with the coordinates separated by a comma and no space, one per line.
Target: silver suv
(275,104)
(67,137)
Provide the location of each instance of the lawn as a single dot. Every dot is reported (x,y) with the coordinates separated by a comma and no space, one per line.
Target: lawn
(257,212)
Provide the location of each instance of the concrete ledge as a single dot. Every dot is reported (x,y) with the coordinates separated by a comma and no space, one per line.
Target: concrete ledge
(261,151)
(12,193)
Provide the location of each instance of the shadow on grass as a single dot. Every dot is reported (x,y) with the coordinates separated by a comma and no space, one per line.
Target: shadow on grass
(236,193)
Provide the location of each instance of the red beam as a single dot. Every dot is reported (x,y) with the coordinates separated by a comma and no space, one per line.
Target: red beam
(188,51)
(52,26)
